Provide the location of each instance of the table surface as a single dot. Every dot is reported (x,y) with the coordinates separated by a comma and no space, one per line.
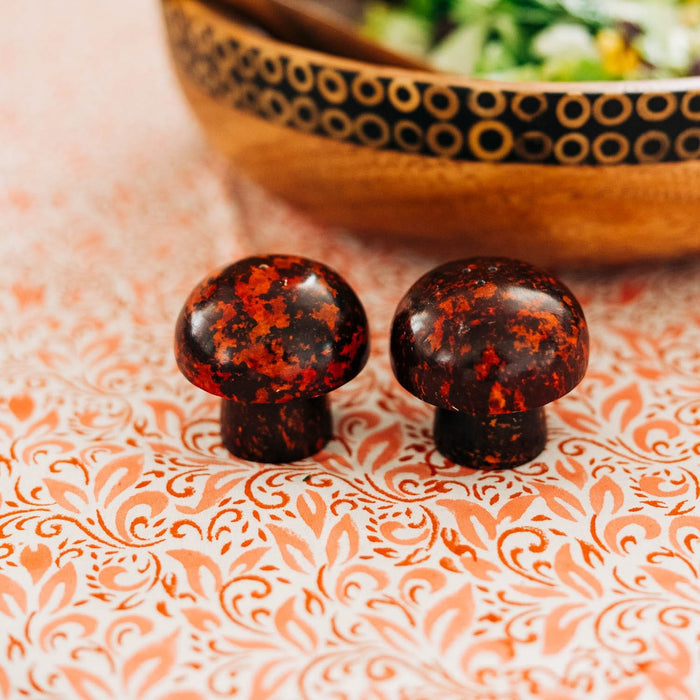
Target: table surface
(139,560)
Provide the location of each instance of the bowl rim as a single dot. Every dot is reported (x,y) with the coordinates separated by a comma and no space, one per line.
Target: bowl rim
(685,84)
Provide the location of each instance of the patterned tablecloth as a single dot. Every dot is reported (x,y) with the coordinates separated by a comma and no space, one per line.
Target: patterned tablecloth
(139,560)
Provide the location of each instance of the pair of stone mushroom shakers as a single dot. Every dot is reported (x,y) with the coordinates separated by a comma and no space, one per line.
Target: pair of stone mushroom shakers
(488,341)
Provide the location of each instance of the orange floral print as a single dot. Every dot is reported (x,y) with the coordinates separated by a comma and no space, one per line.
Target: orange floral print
(139,560)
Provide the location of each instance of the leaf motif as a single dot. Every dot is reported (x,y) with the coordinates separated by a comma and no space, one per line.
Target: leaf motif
(154,661)
(668,672)
(382,447)
(52,359)
(557,633)
(459,611)
(556,497)
(44,426)
(5,687)
(295,630)
(214,491)
(674,583)
(675,654)
(169,416)
(606,486)
(514,508)
(574,575)
(87,686)
(313,517)
(201,619)
(66,579)
(540,591)
(391,632)
(248,560)
(195,563)
(60,492)
(629,397)
(480,568)
(577,475)
(344,529)
(155,501)
(580,422)
(465,513)
(268,680)
(131,466)
(11,589)
(487,656)
(289,543)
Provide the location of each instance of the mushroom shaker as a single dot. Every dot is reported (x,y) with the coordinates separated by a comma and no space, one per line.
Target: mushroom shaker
(272,335)
(489,342)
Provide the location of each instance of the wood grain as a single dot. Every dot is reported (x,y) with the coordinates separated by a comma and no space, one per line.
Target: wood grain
(547,214)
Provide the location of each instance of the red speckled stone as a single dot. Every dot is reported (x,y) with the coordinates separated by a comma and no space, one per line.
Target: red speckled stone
(489,336)
(488,442)
(271,329)
(276,432)
(489,341)
(272,335)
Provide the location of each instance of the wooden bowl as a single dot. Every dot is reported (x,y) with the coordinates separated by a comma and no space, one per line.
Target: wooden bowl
(554,173)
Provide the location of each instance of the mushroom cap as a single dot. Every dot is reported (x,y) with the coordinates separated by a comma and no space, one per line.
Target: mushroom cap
(488,336)
(271,329)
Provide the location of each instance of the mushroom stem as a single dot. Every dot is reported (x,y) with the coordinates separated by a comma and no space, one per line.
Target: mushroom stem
(276,432)
(492,441)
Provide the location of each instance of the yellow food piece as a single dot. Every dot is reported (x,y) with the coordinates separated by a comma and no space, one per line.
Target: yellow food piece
(690,13)
(618,57)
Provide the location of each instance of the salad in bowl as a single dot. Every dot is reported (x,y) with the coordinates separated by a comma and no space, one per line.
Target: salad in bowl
(550,40)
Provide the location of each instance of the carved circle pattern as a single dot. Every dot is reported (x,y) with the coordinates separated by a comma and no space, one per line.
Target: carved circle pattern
(610,148)
(368,91)
(572,148)
(529,106)
(688,144)
(372,130)
(655,107)
(300,75)
(305,113)
(533,146)
(139,560)
(652,147)
(408,135)
(404,95)
(444,139)
(566,119)
(612,110)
